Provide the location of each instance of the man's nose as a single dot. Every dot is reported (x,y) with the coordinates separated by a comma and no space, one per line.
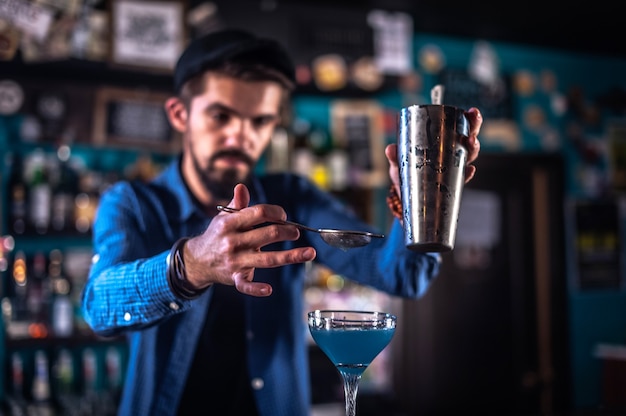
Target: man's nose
(237,131)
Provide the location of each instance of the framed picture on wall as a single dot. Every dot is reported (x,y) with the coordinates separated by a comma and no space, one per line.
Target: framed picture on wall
(147,34)
(357,127)
(132,119)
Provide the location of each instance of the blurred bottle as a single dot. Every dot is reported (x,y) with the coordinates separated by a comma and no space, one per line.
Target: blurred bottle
(15,396)
(17,195)
(20,278)
(338,162)
(19,314)
(278,151)
(89,403)
(41,394)
(40,192)
(320,144)
(90,371)
(39,294)
(302,158)
(113,362)
(63,373)
(65,189)
(64,384)
(87,199)
(62,314)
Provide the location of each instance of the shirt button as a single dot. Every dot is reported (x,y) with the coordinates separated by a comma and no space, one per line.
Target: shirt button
(95,258)
(174,306)
(127,316)
(249,335)
(257,383)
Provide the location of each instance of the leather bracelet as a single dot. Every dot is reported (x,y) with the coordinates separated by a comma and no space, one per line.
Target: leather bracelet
(177,275)
(394,203)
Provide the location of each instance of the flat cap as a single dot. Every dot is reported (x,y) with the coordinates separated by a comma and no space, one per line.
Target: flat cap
(215,48)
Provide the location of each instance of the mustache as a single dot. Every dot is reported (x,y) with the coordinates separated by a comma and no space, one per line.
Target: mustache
(233,153)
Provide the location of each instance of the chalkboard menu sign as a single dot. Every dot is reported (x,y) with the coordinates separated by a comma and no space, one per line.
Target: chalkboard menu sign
(463,91)
(131,118)
(357,130)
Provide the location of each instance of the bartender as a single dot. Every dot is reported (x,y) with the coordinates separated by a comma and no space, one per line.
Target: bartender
(211,303)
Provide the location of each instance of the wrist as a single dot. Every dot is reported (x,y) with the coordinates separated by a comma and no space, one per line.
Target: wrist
(177,273)
(394,203)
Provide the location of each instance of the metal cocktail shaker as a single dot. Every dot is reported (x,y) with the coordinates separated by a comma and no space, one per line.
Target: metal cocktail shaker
(432,165)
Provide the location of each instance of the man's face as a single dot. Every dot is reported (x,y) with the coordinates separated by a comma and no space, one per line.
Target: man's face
(228,128)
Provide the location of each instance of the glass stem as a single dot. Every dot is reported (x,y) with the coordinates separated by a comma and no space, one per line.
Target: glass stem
(350,388)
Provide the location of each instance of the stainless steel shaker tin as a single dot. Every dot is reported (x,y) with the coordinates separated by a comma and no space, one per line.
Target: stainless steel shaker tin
(432,165)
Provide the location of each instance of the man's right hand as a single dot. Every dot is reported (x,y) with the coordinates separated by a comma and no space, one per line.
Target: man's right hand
(229,250)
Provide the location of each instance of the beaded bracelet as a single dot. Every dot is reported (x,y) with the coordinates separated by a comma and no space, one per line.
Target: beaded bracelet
(177,275)
(394,203)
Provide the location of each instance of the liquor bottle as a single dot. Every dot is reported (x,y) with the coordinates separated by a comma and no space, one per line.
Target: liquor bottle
(17,326)
(87,199)
(62,314)
(39,297)
(113,362)
(302,158)
(89,401)
(113,365)
(15,398)
(338,162)
(40,193)
(90,371)
(17,195)
(64,383)
(41,394)
(64,191)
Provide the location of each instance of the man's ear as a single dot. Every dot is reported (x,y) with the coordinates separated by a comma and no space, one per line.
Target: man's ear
(176,113)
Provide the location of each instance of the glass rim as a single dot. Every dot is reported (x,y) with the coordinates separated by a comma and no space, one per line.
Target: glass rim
(323,313)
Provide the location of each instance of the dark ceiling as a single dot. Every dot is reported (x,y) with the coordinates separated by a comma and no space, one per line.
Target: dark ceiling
(596,28)
(591,27)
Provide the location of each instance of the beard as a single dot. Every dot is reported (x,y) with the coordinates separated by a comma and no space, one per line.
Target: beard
(220,183)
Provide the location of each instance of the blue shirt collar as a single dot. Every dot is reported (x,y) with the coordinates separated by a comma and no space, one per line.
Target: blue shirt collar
(172,179)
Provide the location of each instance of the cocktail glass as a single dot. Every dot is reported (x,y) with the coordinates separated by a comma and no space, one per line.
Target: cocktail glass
(351,340)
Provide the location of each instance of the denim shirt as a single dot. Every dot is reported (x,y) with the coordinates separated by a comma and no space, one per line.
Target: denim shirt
(127,291)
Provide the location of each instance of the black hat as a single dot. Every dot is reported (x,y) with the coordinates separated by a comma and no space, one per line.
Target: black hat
(214,48)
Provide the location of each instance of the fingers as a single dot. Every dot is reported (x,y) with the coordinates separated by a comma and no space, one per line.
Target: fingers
(472,143)
(470,171)
(245,285)
(391,151)
(241,197)
(271,259)
(475,119)
(251,217)
(473,148)
(232,245)
(244,280)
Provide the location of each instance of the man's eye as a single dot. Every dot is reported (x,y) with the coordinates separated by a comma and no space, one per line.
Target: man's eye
(221,118)
(262,121)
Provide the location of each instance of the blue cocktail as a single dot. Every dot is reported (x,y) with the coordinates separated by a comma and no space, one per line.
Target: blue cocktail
(351,340)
